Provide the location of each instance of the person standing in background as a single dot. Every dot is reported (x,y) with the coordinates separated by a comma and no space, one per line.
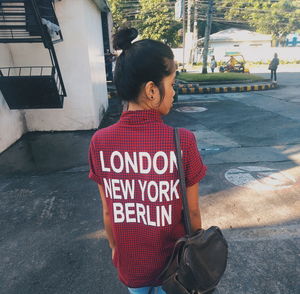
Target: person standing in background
(213,64)
(109,58)
(273,67)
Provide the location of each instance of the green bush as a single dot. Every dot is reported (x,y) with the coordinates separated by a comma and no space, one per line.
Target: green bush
(218,77)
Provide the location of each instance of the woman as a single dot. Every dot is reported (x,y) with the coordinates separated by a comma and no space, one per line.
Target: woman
(134,164)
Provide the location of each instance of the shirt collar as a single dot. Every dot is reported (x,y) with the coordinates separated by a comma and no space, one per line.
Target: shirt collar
(140,116)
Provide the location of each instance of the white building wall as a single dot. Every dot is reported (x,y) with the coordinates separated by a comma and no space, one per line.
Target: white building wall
(73,57)
(12,124)
(81,60)
(96,59)
(250,53)
(262,53)
(110,29)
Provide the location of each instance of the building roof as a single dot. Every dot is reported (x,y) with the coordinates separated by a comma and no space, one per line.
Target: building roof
(238,35)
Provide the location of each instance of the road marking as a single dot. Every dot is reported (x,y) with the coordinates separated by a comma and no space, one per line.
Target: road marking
(46,213)
(296,100)
(209,139)
(191,109)
(259,178)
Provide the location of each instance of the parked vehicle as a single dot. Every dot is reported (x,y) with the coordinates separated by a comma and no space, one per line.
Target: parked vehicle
(233,62)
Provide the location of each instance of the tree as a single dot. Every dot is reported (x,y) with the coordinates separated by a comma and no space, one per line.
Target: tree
(119,10)
(156,21)
(276,17)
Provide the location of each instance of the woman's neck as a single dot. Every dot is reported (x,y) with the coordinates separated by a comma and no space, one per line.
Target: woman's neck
(134,106)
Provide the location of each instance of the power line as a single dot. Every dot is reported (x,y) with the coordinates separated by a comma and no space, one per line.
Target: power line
(224,9)
(132,8)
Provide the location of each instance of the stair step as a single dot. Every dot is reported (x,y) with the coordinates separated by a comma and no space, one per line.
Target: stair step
(21,40)
(3,6)
(13,21)
(13,1)
(4,13)
(13,27)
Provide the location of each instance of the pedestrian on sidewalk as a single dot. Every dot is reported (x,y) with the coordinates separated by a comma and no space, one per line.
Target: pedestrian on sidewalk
(213,64)
(109,59)
(134,164)
(273,67)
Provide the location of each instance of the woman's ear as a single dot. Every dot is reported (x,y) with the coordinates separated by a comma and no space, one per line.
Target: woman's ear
(151,91)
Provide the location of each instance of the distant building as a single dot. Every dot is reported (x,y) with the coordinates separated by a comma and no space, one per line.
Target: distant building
(255,47)
(234,39)
(52,69)
(237,38)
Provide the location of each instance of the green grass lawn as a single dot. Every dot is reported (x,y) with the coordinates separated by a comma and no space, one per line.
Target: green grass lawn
(218,77)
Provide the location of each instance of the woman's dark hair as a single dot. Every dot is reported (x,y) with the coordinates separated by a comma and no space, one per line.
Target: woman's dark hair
(140,62)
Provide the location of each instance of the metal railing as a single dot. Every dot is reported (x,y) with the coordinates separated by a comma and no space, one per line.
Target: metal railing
(18,71)
(34,71)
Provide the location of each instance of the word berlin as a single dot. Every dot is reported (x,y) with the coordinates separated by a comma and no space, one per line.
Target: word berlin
(136,191)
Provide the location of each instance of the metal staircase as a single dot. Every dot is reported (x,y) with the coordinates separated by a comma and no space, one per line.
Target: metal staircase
(21,20)
(31,87)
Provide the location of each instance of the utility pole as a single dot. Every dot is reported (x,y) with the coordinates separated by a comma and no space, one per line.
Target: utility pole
(189,39)
(183,35)
(207,34)
(189,8)
(195,30)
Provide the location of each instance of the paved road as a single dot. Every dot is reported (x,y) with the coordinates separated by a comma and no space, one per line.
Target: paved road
(251,144)
(52,238)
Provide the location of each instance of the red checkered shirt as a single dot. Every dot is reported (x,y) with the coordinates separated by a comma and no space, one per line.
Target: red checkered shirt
(134,160)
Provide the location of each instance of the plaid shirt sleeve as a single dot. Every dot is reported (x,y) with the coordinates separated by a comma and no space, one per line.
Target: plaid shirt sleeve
(195,170)
(94,164)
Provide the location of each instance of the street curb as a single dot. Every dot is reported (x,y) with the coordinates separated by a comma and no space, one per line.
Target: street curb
(194,89)
(213,83)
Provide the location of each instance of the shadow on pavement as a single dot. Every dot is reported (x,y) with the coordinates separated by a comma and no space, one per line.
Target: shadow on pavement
(52,237)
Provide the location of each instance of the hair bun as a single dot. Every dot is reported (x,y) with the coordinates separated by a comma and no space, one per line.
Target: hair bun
(122,39)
